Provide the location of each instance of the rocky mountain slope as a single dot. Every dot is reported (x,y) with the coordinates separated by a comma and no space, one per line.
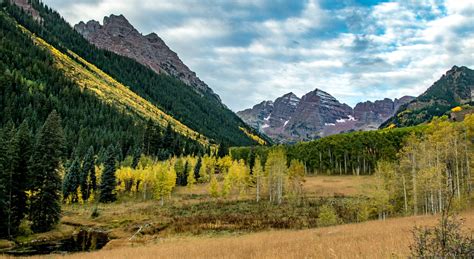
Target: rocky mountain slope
(119,36)
(317,114)
(203,115)
(455,88)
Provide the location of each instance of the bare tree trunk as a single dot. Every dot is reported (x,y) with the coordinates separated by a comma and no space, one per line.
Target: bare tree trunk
(458,187)
(413,174)
(258,188)
(440,176)
(144,190)
(468,165)
(405,194)
(320,160)
(345,162)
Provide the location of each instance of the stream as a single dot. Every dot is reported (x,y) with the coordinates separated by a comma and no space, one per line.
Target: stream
(81,241)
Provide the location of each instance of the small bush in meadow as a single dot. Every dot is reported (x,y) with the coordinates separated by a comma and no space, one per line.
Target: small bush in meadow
(327,216)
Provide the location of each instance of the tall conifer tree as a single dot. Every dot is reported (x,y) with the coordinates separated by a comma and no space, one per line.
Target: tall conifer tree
(45,209)
(108,179)
(71,182)
(19,152)
(3,187)
(88,176)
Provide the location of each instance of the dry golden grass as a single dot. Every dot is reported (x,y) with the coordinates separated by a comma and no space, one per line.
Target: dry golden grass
(326,186)
(314,186)
(374,239)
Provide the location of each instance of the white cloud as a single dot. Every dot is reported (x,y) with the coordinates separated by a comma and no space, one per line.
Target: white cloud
(391,49)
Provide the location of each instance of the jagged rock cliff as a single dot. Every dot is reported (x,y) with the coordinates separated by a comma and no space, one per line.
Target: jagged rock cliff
(119,36)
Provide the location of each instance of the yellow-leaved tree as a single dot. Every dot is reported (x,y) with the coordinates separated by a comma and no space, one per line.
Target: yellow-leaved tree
(276,174)
(258,176)
(296,173)
(165,180)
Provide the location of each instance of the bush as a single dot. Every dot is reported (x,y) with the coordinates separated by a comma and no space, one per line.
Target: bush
(445,240)
(95,212)
(327,216)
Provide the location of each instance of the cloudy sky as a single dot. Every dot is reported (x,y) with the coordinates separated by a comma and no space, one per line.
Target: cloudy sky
(254,50)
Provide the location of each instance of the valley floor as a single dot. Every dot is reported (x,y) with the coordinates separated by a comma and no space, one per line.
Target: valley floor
(373,239)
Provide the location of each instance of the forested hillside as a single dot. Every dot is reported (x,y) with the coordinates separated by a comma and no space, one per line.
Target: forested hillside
(451,90)
(33,86)
(202,114)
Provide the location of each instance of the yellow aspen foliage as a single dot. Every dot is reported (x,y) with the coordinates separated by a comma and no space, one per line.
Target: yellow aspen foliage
(276,174)
(214,187)
(224,164)
(258,176)
(208,164)
(243,177)
(126,176)
(295,178)
(253,136)
(165,180)
(456,109)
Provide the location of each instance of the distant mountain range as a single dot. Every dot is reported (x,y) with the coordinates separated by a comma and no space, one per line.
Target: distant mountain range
(317,114)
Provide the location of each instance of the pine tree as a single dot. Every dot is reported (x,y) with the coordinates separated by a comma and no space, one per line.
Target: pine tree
(180,172)
(136,157)
(4,181)
(108,180)
(197,168)
(185,174)
(88,177)
(20,152)
(11,156)
(71,182)
(223,150)
(45,208)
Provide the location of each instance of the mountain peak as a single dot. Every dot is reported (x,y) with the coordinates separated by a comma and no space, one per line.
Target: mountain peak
(117,19)
(119,36)
(455,70)
(289,98)
(454,88)
(290,94)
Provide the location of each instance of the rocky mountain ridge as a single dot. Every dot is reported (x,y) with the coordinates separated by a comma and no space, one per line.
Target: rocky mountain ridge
(317,114)
(116,34)
(454,88)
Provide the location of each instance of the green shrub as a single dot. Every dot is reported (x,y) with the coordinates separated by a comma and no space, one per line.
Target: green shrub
(327,216)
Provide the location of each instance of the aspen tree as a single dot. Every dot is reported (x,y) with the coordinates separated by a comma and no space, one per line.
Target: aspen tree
(258,175)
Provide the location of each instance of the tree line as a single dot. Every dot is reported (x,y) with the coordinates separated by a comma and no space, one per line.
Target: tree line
(355,153)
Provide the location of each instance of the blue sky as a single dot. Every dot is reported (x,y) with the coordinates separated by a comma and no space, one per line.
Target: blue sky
(254,50)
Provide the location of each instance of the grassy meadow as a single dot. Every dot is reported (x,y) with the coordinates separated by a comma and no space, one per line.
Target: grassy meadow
(194,225)
(373,239)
